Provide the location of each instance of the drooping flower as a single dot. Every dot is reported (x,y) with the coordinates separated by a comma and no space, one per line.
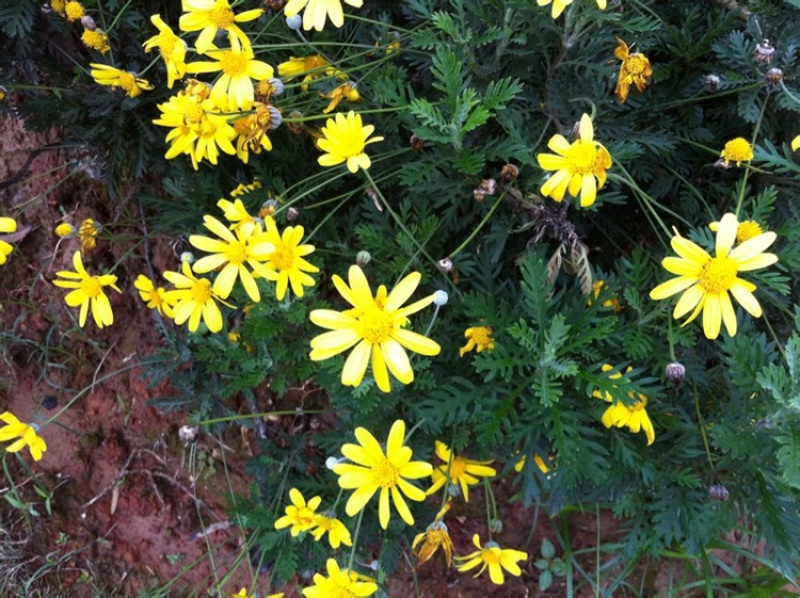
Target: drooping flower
(154,297)
(706,281)
(87,233)
(7,225)
(74,11)
(233,90)
(338,534)
(171,47)
(312,67)
(737,150)
(27,435)
(543,467)
(95,39)
(745,230)
(635,68)
(796,143)
(233,251)
(580,166)
(495,558)
(346,91)
(479,338)
(344,140)
(285,264)
(372,470)
(619,414)
(251,130)
(114,77)
(193,299)
(375,326)
(435,535)
(317,11)
(462,471)
(342,583)
(209,16)
(300,515)
(88,290)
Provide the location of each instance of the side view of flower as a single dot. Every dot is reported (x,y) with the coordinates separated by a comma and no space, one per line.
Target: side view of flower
(496,559)
(619,414)
(25,433)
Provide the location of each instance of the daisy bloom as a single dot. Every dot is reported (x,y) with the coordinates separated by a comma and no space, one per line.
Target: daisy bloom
(316,12)
(234,88)
(74,11)
(635,68)
(7,225)
(543,467)
(434,536)
(234,251)
(745,230)
(460,470)
(285,263)
(344,140)
(705,281)
(88,289)
(209,16)
(346,91)
(154,297)
(171,47)
(796,143)
(493,557)
(619,414)
(27,435)
(87,233)
(737,150)
(95,39)
(580,166)
(193,299)
(340,582)
(338,534)
(376,327)
(372,469)
(299,514)
(114,77)
(237,214)
(479,337)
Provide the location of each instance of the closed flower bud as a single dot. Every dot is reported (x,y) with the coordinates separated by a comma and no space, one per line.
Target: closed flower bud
(88,23)
(496,526)
(188,257)
(277,86)
(440,298)
(275,117)
(295,127)
(187,434)
(332,462)
(445,265)
(719,493)
(363,258)
(417,144)
(294,22)
(676,373)
(774,76)
(764,52)
(711,83)
(509,172)
(292,214)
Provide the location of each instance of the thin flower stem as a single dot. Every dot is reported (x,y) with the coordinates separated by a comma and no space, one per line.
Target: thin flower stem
(486,218)
(355,17)
(304,119)
(671,338)
(486,500)
(747,165)
(699,97)
(693,190)
(703,429)
(355,541)
(231,418)
(120,12)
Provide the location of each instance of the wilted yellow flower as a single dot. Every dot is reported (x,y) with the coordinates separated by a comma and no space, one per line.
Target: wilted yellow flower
(462,471)
(7,225)
(233,90)
(87,233)
(171,47)
(737,150)
(635,68)
(251,130)
(113,77)
(495,558)
(285,264)
(435,535)
(344,140)
(311,66)
(26,433)
(633,416)
(479,337)
(193,299)
(95,39)
(338,534)
(346,91)
(300,515)
(316,12)
(74,11)
(88,289)
(154,297)
(209,16)
(339,583)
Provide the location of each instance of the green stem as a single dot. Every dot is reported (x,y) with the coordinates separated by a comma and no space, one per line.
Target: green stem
(747,165)
(703,430)
(355,541)
(486,500)
(461,247)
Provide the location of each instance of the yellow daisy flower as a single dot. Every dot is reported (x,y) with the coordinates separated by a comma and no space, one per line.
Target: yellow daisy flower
(286,264)
(316,12)
(495,558)
(95,39)
(340,582)
(463,471)
(580,166)
(171,47)
(74,11)
(796,143)
(344,140)
(705,281)
(345,91)
(300,515)
(479,337)
(88,289)
(193,299)
(59,6)
(114,77)
(234,251)
(619,414)
(7,225)
(234,88)
(372,470)
(635,68)
(435,535)
(209,16)
(375,326)
(154,297)
(26,433)
(338,534)
(737,150)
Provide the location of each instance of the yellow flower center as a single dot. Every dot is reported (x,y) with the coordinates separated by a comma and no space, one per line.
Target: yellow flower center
(747,230)
(340,592)
(582,156)
(717,275)
(243,125)
(375,326)
(91,287)
(127,82)
(283,258)
(636,64)
(481,335)
(154,297)
(233,63)
(738,150)
(201,291)
(457,468)
(437,537)
(386,474)
(491,556)
(236,253)
(194,113)
(221,15)
(167,46)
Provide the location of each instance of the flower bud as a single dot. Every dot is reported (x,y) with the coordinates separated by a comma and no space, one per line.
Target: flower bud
(295,127)
(454,490)
(187,434)
(719,493)
(332,462)
(710,83)
(440,298)
(445,265)
(275,117)
(774,76)
(763,52)
(509,172)
(188,257)
(363,258)
(294,22)
(496,526)
(292,214)
(88,23)
(417,144)
(268,208)
(676,373)
(277,86)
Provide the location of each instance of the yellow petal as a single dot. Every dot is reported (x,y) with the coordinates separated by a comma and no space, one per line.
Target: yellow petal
(712,316)
(401,293)
(671,287)
(726,234)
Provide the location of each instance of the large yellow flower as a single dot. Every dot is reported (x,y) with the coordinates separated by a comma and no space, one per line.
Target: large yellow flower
(495,558)
(580,167)
(462,471)
(635,68)
(300,514)
(340,583)
(374,326)
(286,264)
(234,88)
(171,47)
(619,414)
(7,225)
(88,289)
(27,435)
(373,470)
(705,281)
(114,77)
(316,11)
(209,16)
(344,140)
(193,299)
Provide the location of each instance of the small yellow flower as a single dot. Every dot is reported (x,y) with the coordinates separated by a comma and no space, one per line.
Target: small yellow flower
(171,47)
(543,467)
(27,435)
(434,536)
(59,6)
(96,40)
(7,225)
(285,263)
(635,68)
(338,534)
(462,471)
(372,470)
(596,289)
(108,75)
(346,91)
(193,299)
(237,214)
(154,297)
(209,16)
(737,150)
(312,67)
(495,558)
(479,337)
(745,230)
(74,11)
(316,12)
(233,90)
(300,515)
(618,414)
(88,289)
(344,140)
(340,583)
(796,143)
(65,229)
(87,233)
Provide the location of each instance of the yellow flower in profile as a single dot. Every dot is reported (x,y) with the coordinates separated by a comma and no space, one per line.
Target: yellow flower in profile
(312,67)
(543,467)
(209,16)
(338,534)
(88,290)
(346,91)
(635,68)
(95,39)
(193,299)
(580,166)
(237,215)
(65,229)
(7,225)
(375,326)
(233,251)
(316,12)
(300,515)
(619,414)
(372,470)
(171,47)
(495,558)
(706,281)
(154,297)
(233,90)
(87,233)
(344,140)
(340,583)
(479,337)
(74,11)
(796,143)
(27,435)
(745,230)
(114,77)
(435,535)
(737,150)
(285,264)
(462,471)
